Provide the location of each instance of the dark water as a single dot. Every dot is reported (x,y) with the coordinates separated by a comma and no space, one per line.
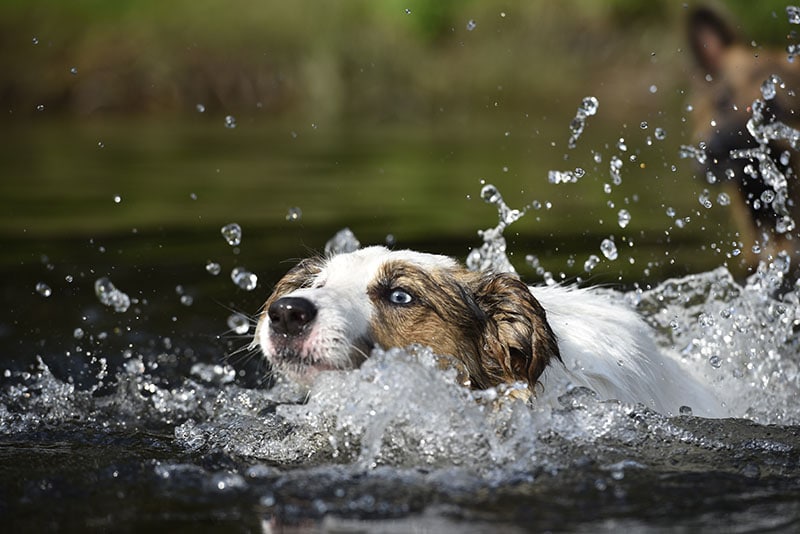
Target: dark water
(160,418)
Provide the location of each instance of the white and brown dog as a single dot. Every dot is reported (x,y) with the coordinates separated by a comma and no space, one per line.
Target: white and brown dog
(328,314)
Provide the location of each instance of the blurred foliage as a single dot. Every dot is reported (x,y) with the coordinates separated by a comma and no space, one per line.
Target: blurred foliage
(383,59)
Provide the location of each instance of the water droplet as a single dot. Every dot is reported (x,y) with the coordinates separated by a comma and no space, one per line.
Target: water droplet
(704,200)
(587,108)
(244,278)
(767,196)
(40,107)
(344,241)
(471,24)
(187,300)
(407,11)
(723,199)
(111,296)
(78,333)
(591,262)
(609,249)
(213,268)
(73,70)
(490,194)
(35,40)
(653,89)
(685,410)
(643,125)
(117,199)
(230,121)
(232,233)
(43,289)
(565,177)
(623,218)
(200,108)
(705,320)
(768,90)
(238,323)
(660,134)
(793,13)
(670,212)
(715,361)
(294,214)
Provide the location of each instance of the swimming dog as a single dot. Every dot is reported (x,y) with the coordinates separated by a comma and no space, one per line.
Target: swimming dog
(731,73)
(329,313)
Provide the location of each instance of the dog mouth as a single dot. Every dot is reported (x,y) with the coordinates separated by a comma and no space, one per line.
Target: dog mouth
(293,358)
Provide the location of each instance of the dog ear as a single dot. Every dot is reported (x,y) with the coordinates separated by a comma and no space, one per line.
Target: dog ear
(709,37)
(518,338)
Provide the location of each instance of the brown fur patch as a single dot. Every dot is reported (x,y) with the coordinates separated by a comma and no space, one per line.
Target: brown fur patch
(491,323)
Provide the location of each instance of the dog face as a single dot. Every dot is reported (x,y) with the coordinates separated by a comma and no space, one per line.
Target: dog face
(731,75)
(329,314)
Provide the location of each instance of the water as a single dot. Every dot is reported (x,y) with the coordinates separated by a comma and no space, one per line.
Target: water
(163,436)
(160,417)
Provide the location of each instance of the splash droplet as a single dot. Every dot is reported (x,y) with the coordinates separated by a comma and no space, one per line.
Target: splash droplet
(244,278)
(623,218)
(238,323)
(111,296)
(793,13)
(213,268)
(609,249)
(232,233)
(43,289)
(591,262)
(344,241)
(230,121)
(294,214)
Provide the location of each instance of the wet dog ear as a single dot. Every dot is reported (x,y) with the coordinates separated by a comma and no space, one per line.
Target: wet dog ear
(518,339)
(710,35)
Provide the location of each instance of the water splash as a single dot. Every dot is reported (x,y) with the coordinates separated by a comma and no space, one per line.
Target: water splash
(110,296)
(344,241)
(244,278)
(609,249)
(491,256)
(587,108)
(43,289)
(565,177)
(213,268)
(764,128)
(238,323)
(232,233)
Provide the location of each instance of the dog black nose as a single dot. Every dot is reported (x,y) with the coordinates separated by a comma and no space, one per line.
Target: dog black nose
(290,315)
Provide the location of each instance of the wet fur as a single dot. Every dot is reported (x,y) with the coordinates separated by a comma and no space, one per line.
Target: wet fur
(492,324)
(498,328)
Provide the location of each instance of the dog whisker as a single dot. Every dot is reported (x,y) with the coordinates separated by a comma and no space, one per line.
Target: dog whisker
(328,314)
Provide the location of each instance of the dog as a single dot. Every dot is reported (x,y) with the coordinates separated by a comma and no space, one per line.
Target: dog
(329,313)
(730,76)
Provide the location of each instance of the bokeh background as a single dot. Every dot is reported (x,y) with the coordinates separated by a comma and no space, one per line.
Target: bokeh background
(131,132)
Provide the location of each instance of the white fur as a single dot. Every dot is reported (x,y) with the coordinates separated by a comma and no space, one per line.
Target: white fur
(604,345)
(608,348)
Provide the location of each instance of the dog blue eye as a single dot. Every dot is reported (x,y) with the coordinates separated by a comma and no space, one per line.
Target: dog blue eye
(399,296)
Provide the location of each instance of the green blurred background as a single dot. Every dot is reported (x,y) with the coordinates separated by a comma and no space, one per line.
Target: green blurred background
(384,116)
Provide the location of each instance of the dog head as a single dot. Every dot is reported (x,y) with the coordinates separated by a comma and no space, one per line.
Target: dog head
(329,314)
(731,73)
